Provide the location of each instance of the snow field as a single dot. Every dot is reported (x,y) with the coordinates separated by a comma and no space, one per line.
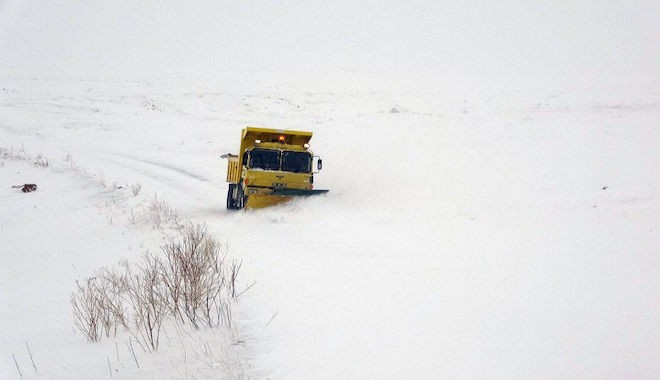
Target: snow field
(494,234)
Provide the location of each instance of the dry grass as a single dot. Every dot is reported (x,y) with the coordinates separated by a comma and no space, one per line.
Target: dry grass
(135,189)
(191,283)
(21,154)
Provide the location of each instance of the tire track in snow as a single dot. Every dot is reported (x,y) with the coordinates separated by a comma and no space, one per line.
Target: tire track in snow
(14,131)
(167,174)
(166,166)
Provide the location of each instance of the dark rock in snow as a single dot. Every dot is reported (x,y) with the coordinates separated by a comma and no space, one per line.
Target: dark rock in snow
(26,188)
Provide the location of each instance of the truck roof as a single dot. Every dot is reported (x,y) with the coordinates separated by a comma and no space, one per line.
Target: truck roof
(272,135)
(250,134)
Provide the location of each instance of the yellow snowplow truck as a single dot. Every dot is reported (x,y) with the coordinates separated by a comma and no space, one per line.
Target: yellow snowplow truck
(271,167)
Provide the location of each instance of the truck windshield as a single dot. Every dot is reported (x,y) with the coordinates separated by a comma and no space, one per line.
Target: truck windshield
(265,159)
(297,162)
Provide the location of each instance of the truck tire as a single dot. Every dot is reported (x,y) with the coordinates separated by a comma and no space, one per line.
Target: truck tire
(241,199)
(231,201)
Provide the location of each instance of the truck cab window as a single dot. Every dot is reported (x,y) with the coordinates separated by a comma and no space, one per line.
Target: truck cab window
(296,162)
(265,159)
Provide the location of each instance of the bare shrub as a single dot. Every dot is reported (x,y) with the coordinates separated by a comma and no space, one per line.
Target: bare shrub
(21,154)
(97,305)
(41,161)
(13,154)
(172,277)
(147,297)
(131,216)
(191,283)
(195,276)
(88,310)
(234,268)
(135,189)
(161,213)
(115,313)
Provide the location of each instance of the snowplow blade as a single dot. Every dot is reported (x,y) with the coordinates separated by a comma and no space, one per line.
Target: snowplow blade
(278,196)
(297,193)
(262,200)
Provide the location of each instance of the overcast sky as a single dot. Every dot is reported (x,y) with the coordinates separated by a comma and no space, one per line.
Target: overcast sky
(468,38)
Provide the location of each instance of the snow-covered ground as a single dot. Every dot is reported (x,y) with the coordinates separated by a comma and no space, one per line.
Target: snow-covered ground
(512,234)
(494,204)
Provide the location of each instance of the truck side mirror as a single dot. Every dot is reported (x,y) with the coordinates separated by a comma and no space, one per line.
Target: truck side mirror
(319,164)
